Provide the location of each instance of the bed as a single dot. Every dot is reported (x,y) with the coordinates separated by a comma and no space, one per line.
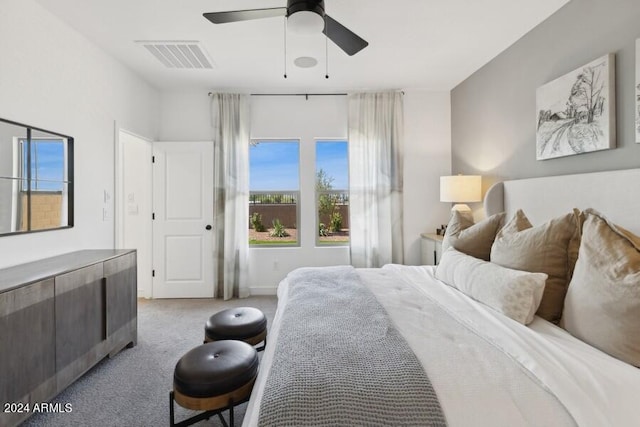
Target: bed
(485,368)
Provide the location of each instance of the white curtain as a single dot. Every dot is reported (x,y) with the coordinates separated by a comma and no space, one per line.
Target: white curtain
(375,178)
(231,124)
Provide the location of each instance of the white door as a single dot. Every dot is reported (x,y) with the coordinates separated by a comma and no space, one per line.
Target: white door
(133,203)
(183,215)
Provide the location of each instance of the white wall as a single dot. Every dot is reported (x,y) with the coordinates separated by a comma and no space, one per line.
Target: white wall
(52,77)
(299,118)
(185,116)
(427,132)
(134,204)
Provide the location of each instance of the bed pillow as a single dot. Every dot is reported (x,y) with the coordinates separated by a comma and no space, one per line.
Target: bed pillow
(602,306)
(516,294)
(549,248)
(472,239)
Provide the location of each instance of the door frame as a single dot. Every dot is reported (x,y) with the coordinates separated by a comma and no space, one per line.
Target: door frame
(120,203)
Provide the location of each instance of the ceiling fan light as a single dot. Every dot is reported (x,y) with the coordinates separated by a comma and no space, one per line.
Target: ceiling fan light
(305,23)
(305,62)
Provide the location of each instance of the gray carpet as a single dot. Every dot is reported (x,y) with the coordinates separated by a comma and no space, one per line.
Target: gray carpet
(132,389)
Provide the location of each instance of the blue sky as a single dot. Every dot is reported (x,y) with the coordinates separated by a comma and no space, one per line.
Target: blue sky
(332,156)
(274,165)
(48,155)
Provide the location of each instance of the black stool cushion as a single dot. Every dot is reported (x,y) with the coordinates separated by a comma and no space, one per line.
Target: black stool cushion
(215,368)
(235,324)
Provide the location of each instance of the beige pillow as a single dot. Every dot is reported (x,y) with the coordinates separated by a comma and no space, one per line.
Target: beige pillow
(469,238)
(602,306)
(547,248)
(514,293)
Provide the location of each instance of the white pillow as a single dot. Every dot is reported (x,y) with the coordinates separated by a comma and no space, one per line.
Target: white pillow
(514,293)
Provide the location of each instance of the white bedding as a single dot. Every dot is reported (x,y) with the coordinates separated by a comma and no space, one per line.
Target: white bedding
(556,380)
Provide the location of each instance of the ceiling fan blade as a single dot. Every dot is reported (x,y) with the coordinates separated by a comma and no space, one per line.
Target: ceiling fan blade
(346,39)
(244,15)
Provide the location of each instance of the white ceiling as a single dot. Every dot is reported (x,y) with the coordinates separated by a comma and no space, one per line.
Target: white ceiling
(425,44)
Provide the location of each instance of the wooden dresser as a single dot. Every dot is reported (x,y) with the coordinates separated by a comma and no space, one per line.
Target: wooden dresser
(59,317)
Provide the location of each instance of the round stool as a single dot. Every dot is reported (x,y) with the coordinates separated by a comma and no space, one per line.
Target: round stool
(246,324)
(213,377)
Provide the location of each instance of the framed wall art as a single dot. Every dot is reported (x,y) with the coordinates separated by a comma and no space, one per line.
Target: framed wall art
(576,112)
(638,91)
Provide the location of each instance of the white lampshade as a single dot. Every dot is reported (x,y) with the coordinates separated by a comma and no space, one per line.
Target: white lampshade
(305,23)
(461,189)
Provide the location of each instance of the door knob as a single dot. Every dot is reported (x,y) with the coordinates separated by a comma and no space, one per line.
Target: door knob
(208,227)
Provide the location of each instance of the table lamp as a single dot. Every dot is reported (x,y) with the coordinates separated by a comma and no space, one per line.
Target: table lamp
(460,189)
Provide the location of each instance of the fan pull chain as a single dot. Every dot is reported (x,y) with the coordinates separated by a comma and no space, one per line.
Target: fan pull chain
(326,49)
(285,47)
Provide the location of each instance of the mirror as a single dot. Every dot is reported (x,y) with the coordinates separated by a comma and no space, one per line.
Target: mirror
(36,179)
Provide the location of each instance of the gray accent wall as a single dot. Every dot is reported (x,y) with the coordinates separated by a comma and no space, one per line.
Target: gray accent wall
(493,112)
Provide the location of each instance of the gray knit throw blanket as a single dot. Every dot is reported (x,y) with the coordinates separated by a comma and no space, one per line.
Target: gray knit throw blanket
(340,361)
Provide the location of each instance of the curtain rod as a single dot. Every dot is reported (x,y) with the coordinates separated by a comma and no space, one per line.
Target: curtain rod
(299,94)
(294,94)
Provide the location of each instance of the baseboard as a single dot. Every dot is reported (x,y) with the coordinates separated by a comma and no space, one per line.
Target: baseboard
(254,291)
(262,291)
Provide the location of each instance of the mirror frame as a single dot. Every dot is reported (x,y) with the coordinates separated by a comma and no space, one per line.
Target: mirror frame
(70,177)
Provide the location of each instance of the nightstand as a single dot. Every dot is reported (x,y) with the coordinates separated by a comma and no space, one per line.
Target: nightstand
(431,248)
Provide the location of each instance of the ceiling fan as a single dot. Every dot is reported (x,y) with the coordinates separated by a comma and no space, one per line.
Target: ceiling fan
(307,16)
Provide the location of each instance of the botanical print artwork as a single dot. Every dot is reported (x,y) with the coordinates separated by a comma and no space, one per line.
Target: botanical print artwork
(638,91)
(576,112)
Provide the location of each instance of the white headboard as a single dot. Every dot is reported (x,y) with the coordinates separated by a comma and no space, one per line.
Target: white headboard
(616,194)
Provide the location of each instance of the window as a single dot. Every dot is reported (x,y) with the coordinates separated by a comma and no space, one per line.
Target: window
(332,192)
(274,190)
